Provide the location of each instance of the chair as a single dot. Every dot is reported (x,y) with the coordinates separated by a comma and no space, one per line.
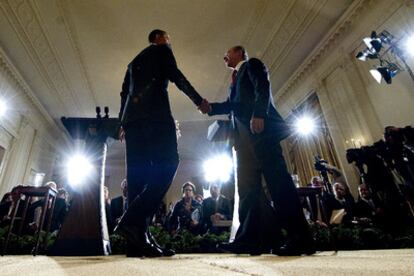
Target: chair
(45,192)
(314,200)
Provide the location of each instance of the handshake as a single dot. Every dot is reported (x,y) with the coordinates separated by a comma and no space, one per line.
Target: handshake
(204,107)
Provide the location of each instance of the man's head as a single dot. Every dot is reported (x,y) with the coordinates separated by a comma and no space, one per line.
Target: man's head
(124,188)
(188,190)
(316,181)
(159,37)
(234,55)
(52,185)
(340,190)
(364,191)
(62,193)
(215,190)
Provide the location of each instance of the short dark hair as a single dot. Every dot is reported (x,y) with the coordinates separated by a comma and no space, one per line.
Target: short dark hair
(153,34)
(240,48)
(188,184)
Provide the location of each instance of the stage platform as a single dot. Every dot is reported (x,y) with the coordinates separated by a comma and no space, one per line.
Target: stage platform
(367,262)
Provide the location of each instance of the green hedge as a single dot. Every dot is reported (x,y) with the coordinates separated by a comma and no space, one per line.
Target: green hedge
(334,238)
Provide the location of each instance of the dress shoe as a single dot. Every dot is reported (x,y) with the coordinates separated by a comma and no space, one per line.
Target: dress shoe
(295,248)
(239,248)
(142,250)
(138,244)
(166,251)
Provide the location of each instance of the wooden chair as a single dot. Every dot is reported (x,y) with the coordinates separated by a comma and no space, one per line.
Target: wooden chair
(27,192)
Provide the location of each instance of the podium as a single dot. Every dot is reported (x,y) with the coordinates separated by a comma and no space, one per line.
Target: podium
(85,231)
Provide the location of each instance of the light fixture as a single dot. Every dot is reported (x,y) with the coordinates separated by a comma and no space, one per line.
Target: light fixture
(393,56)
(366,53)
(78,169)
(218,168)
(373,43)
(385,72)
(3,107)
(305,125)
(409,45)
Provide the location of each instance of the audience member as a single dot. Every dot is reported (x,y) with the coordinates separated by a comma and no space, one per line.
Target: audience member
(368,208)
(187,213)
(341,199)
(215,208)
(316,182)
(119,204)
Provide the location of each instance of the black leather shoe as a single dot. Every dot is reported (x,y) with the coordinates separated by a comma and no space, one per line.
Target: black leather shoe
(295,248)
(138,244)
(239,248)
(166,251)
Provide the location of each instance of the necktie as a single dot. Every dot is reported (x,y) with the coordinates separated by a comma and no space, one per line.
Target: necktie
(233,77)
(233,84)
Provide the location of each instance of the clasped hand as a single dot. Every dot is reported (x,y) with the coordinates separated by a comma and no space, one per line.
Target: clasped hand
(204,107)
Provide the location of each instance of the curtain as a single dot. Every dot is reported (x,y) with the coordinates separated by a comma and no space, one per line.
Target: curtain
(300,150)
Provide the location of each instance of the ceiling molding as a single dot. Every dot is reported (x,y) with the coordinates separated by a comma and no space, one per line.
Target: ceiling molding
(25,20)
(295,26)
(73,37)
(11,71)
(342,25)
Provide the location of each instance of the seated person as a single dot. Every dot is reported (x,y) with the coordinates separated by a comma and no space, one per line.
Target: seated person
(7,207)
(368,208)
(341,199)
(187,213)
(59,212)
(216,208)
(119,205)
(316,182)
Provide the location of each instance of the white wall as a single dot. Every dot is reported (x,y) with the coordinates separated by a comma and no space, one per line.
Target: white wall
(28,134)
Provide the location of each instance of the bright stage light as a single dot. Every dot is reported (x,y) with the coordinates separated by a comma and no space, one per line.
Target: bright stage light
(409,45)
(78,169)
(3,107)
(305,125)
(218,168)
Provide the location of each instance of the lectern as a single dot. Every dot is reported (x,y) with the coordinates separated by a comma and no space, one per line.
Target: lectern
(84,231)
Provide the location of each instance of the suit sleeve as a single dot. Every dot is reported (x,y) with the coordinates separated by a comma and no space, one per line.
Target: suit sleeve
(124,93)
(177,77)
(259,76)
(220,108)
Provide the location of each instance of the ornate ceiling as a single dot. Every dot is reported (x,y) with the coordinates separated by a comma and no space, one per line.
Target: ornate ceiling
(73,53)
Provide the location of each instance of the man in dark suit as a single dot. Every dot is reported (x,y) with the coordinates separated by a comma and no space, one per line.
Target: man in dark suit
(119,204)
(215,208)
(258,130)
(150,134)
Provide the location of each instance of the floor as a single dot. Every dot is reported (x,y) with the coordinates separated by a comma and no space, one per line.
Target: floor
(368,262)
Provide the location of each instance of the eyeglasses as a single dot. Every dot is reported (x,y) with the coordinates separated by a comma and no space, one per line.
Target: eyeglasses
(188,190)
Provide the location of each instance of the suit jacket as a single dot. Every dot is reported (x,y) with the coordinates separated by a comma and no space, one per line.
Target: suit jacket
(251,96)
(117,208)
(146,81)
(211,206)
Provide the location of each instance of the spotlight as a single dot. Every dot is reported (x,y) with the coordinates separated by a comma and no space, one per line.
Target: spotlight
(366,54)
(78,169)
(385,72)
(373,43)
(3,107)
(218,168)
(305,125)
(409,45)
